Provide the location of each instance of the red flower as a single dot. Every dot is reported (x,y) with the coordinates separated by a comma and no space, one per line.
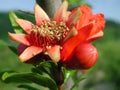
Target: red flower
(58,38)
(89,27)
(44,37)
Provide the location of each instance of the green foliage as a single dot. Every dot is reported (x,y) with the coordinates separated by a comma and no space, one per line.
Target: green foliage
(12,46)
(68,74)
(15,26)
(40,77)
(30,77)
(5,25)
(75,1)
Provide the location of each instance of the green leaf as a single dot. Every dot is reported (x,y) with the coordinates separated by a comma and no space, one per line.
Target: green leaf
(75,1)
(12,46)
(80,78)
(68,73)
(52,70)
(17,28)
(45,67)
(30,77)
(28,87)
(2,43)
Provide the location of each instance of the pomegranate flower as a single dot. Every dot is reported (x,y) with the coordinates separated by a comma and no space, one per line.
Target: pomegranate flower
(76,52)
(58,37)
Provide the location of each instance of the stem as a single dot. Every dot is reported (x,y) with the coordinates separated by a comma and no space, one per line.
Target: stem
(50,6)
(60,87)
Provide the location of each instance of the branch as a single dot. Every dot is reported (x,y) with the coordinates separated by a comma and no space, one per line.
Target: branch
(50,6)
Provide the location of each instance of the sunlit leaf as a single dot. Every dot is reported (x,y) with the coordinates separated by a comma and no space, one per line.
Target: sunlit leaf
(16,27)
(68,73)
(30,77)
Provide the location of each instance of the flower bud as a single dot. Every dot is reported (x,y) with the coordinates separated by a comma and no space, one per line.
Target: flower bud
(84,57)
(87,55)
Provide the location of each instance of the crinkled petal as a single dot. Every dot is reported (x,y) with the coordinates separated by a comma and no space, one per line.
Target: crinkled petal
(61,13)
(70,44)
(95,36)
(26,25)
(54,53)
(73,18)
(86,14)
(29,52)
(40,15)
(86,10)
(21,38)
(99,23)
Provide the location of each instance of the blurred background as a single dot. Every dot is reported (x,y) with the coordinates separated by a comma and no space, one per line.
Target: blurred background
(105,74)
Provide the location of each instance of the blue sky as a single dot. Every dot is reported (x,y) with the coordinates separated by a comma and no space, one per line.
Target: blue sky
(110,8)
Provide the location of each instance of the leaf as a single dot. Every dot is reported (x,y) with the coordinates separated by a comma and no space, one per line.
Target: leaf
(68,73)
(52,70)
(30,77)
(2,43)
(28,87)
(80,78)
(17,28)
(2,72)
(14,77)
(45,67)
(12,46)
(75,1)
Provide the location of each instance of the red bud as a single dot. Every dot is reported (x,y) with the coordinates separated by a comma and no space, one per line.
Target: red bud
(85,56)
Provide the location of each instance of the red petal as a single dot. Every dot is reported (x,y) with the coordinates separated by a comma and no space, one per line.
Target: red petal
(86,14)
(40,15)
(98,26)
(73,17)
(61,13)
(26,25)
(70,44)
(54,53)
(99,23)
(29,53)
(21,38)
(95,36)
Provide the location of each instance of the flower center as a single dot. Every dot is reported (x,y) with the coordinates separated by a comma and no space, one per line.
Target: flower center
(48,33)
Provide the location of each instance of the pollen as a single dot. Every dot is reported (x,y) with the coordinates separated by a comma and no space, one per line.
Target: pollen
(48,33)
